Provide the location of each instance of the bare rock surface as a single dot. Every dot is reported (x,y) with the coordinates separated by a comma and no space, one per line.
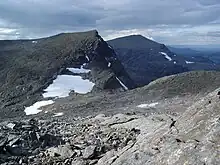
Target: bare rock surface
(121,139)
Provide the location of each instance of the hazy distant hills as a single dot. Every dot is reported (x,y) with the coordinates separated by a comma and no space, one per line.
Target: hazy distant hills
(206,53)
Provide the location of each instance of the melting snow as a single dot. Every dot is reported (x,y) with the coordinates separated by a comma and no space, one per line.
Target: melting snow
(79,70)
(64,84)
(87,57)
(150,38)
(109,46)
(151,105)
(58,114)
(109,64)
(122,84)
(35,109)
(61,87)
(166,56)
(189,62)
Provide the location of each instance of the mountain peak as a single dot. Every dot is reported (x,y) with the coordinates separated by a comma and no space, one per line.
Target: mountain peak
(140,36)
(134,36)
(135,41)
(73,58)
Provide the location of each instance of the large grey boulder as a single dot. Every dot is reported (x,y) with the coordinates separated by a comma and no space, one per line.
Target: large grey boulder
(62,152)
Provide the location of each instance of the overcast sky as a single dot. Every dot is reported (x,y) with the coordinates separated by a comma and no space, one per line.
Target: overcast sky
(167,21)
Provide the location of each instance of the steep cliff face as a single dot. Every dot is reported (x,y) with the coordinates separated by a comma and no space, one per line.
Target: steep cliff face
(146,60)
(28,67)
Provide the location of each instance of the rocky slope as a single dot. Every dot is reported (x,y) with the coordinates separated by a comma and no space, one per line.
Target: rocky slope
(146,60)
(173,120)
(141,126)
(27,67)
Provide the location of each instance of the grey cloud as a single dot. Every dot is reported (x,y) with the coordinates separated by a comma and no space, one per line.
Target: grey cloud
(214,34)
(39,17)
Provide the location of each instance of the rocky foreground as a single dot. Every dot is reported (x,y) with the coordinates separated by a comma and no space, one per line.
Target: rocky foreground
(193,137)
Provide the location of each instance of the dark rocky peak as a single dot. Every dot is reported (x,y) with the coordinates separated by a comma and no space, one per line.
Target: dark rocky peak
(104,52)
(132,42)
(146,60)
(140,47)
(28,67)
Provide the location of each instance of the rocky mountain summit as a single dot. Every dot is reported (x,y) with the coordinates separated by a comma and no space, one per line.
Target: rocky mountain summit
(28,67)
(140,126)
(146,60)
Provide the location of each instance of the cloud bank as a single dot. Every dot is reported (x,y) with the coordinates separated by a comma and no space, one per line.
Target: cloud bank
(167,21)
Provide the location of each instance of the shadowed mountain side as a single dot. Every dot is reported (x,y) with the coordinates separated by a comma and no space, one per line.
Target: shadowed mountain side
(146,60)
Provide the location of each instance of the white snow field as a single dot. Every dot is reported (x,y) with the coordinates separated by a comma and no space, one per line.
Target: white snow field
(64,84)
(122,84)
(58,114)
(35,108)
(151,105)
(166,56)
(79,70)
(189,62)
(61,87)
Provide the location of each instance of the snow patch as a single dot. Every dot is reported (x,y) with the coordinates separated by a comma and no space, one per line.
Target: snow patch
(35,108)
(174,62)
(151,105)
(150,38)
(58,114)
(166,56)
(46,112)
(34,42)
(110,47)
(109,64)
(87,57)
(122,84)
(64,84)
(189,62)
(79,70)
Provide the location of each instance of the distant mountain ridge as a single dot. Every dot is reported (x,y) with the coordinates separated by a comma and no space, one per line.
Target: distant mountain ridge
(206,54)
(146,60)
